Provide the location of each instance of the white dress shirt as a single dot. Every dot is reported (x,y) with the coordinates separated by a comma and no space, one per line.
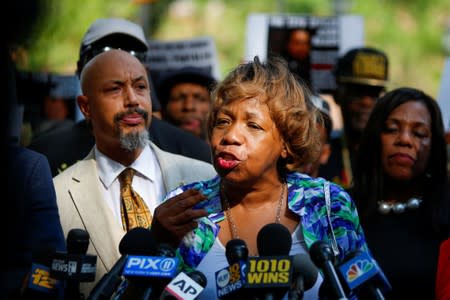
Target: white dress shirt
(147,182)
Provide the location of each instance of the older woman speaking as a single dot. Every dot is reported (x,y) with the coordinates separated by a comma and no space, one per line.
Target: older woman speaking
(260,132)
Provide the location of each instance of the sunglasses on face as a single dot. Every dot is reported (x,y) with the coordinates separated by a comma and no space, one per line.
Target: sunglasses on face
(90,52)
(357,92)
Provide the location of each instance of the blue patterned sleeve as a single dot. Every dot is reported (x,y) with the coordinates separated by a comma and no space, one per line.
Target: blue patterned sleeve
(197,243)
(345,222)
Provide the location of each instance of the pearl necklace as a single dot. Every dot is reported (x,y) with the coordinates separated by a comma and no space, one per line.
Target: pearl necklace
(233,228)
(385,208)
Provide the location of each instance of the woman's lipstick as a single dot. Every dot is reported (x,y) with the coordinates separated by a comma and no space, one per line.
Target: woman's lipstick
(226,162)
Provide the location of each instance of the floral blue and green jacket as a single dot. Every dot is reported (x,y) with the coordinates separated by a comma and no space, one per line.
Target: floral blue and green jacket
(306,198)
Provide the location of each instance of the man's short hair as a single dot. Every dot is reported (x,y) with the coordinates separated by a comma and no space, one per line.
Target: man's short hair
(186,74)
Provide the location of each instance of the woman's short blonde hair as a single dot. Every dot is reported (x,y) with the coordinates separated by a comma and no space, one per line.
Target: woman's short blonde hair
(273,84)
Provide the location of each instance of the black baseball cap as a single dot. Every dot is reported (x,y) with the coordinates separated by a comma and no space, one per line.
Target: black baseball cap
(112,33)
(364,66)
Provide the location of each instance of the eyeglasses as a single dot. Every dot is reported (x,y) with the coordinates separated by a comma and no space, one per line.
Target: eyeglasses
(139,55)
(90,52)
(357,92)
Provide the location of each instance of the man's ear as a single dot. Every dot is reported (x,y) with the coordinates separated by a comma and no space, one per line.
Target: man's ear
(83,104)
(325,154)
(338,94)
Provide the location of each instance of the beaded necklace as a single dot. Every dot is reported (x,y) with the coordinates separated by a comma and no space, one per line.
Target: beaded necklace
(384,207)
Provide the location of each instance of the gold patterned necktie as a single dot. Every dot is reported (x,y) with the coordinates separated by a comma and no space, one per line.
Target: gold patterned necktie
(133,209)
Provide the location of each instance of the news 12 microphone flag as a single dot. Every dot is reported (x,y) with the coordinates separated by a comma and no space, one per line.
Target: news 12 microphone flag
(40,279)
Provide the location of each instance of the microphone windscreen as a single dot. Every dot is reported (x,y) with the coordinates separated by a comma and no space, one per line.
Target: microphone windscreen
(165,250)
(303,265)
(77,241)
(236,250)
(198,277)
(138,241)
(321,253)
(274,239)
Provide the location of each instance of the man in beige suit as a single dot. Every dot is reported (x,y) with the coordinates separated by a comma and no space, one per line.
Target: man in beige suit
(116,102)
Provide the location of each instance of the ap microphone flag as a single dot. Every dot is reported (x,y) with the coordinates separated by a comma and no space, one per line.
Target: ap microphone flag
(183,287)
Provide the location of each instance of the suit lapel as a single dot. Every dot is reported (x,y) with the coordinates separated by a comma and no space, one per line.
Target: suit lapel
(168,163)
(104,230)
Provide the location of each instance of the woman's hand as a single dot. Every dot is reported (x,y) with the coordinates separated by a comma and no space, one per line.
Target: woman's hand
(176,217)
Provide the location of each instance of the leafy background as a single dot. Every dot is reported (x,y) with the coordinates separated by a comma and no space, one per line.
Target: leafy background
(409,31)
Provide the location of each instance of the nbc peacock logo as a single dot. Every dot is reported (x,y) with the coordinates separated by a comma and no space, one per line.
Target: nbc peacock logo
(358,269)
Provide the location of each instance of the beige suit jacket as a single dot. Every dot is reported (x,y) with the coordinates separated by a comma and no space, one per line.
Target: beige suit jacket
(81,204)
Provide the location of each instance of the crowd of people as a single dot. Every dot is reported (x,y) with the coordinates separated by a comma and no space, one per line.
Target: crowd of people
(202,163)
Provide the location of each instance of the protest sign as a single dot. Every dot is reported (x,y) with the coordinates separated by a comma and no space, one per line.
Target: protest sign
(310,44)
(166,56)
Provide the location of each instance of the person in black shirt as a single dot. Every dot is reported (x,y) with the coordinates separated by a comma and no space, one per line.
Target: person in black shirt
(361,78)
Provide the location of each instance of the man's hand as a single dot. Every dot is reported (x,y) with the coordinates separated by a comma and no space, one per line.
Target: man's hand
(176,217)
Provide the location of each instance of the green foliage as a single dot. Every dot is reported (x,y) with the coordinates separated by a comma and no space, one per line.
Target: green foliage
(61,31)
(410,31)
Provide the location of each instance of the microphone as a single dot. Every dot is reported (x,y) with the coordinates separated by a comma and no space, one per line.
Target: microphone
(74,266)
(185,286)
(236,251)
(38,283)
(274,239)
(361,274)
(304,276)
(147,275)
(231,280)
(322,256)
(265,277)
(77,241)
(269,276)
(136,241)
